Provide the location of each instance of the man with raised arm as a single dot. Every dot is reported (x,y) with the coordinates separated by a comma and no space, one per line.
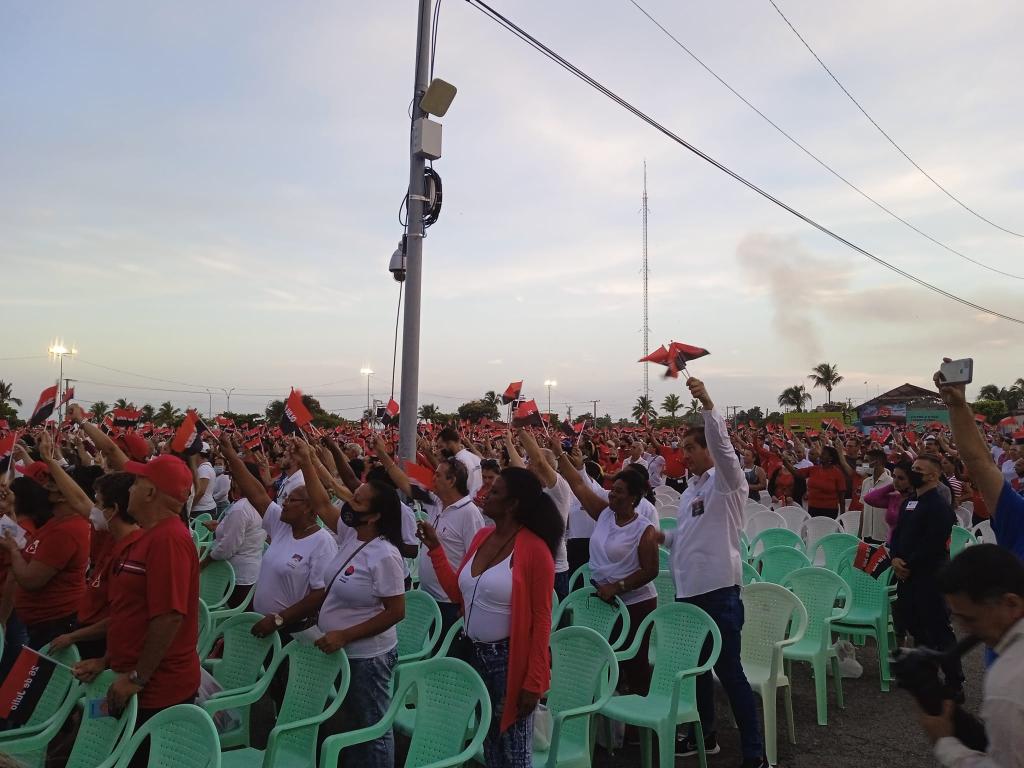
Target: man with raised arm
(707,568)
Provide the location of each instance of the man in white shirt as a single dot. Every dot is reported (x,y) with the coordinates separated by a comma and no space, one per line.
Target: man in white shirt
(451,441)
(984,587)
(221,488)
(707,567)
(204,480)
(872,519)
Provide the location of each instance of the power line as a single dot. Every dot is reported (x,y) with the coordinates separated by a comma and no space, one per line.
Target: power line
(572,69)
(817,159)
(889,138)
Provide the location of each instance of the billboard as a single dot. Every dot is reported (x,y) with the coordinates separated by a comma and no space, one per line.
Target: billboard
(883,414)
(920,417)
(799,422)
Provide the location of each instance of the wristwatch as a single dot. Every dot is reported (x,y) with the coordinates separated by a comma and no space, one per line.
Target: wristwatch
(135,679)
(622,586)
(278,621)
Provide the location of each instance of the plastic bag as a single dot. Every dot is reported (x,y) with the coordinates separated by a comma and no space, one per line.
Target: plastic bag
(849,667)
(543,723)
(226,719)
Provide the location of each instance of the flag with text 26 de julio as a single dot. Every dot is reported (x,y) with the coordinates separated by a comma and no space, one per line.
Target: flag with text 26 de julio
(24,685)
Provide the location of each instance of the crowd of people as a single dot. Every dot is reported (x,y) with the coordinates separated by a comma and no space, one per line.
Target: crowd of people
(329,530)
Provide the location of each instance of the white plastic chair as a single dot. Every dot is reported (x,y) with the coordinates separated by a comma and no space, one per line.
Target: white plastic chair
(964,517)
(667,492)
(983,531)
(816,527)
(766,499)
(850,521)
(969,505)
(794,516)
(762,521)
(774,619)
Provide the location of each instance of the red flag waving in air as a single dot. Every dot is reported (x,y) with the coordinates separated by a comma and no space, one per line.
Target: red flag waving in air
(69,393)
(7,450)
(390,413)
(296,415)
(511,393)
(527,415)
(675,357)
(189,437)
(126,417)
(45,406)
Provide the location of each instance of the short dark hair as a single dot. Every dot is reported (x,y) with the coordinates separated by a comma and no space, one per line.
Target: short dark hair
(449,435)
(930,460)
(982,572)
(876,454)
(114,488)
(636,483)
(697,433)
(491,465)
(460,475)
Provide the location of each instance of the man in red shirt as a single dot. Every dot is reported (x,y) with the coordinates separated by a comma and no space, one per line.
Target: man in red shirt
(154,598)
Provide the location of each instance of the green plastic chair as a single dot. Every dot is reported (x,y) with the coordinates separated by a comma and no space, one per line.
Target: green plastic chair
(51,710)
(744,544)
(204,533)
(667,523)
(317,684)
(216,582)
(580,578)
(219,616)
(959,539)
(452,707)
(405,719)
(182,736)
(584,673)
(750,574)
(870,611)
(246,660)
(665,584)
(775,537)
(681,631)
(829,549)
(819,590)
(585,609)
(776,563)
(774,619)
(420,630)
(664,559)
(102,740)
(204,640)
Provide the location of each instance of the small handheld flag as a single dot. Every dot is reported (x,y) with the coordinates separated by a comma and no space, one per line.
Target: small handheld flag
(24,685)
(44,407)
(189,437)
(296,415)
(527,415)
(390,413)
(674,357)
(511,393)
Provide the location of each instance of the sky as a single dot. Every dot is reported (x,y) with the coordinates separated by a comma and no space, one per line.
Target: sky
(205,196)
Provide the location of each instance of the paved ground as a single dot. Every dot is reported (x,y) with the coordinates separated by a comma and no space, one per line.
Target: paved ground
(876,729)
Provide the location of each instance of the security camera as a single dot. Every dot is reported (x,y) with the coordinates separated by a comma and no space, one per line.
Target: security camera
(397,265)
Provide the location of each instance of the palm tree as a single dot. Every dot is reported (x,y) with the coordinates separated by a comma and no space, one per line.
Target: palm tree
(147,412)
(671,404)
(5,394)
(99,410)
(826,375)
(989,392)
(692,411)
(491,398)
(795,397)
(429,412)
(122,403)
(167,415)
(644,409)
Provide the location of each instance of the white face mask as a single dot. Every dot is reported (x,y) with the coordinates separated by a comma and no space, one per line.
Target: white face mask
(98,519)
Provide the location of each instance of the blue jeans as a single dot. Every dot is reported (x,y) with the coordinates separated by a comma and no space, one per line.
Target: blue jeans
(514,747)
(562,585)
(726,609)
(368,697)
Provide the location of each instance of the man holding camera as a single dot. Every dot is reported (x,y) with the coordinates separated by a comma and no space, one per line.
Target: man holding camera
(984,587)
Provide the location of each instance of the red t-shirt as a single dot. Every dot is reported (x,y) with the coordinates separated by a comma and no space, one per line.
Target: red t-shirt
(675,464)
(825,486)
(95,603)
(157,574)
(62,544)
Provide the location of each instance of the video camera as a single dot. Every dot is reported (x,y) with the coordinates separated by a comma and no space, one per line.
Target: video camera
(917,671)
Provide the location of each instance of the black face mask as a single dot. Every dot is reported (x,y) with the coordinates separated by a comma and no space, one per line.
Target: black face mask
(916,478)
(350,517)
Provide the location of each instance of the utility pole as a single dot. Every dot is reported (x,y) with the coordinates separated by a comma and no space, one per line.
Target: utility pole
(568,411)
(595,402)
(647,330)
(414,251)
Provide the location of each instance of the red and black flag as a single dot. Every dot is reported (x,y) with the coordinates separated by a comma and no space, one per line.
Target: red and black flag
(45,406)
(675,357)
(511,393)
(571,430)
(390,413)
(127,417)
(872,560)
(835,424)
(68,395)
(419,474)
(7,450)
(221,421)
(296,415)
(189,437)
(24,686)
(527,415)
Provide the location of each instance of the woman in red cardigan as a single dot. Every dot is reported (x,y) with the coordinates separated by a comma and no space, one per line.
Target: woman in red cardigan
(504,585)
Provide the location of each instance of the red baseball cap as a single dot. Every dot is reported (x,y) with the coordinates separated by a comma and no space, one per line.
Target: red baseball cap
(134,445)
(168,473)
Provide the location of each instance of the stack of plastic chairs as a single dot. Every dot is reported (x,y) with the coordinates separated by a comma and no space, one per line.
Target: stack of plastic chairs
(776,563)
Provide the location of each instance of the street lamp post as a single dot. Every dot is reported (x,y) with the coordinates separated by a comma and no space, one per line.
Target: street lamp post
(227,396)
(367,372)
(549,383)
(58,350)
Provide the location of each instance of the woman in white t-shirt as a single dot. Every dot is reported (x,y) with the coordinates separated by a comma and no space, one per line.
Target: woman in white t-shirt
(623,554)
(238,537)
(364,599)
(290,573)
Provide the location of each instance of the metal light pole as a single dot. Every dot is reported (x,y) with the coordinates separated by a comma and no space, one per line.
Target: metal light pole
(227,396)
(58,350)
(414,253)
(549,383)
(209,406)
(367,372)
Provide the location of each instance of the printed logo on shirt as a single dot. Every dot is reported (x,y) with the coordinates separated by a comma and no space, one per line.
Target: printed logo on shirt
(95,583)
(294,562)
(31,548)
(911,505)
(697,507)
(131,566)
(350,570)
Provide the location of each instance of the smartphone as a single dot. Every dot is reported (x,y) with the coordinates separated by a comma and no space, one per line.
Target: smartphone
(958,371)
